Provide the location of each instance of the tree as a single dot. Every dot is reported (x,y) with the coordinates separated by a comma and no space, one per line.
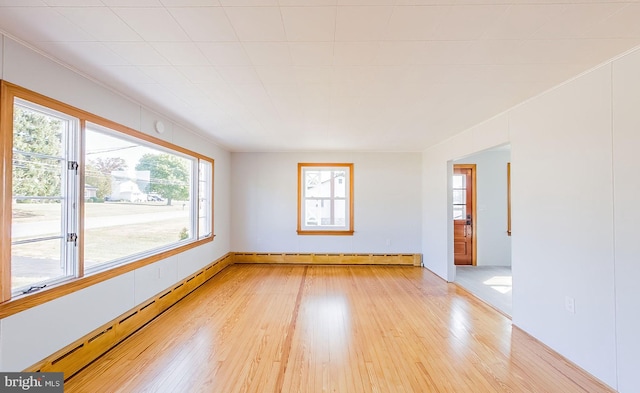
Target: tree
(169,175)
(36,135)
(109,164)
(102,181)
(98,173)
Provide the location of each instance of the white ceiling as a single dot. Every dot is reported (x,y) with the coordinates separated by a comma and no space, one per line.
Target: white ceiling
(363,75)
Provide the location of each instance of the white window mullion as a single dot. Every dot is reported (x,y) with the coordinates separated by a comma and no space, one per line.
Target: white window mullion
(71,199)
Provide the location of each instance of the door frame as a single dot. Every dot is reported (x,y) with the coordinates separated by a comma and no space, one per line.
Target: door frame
(474,213)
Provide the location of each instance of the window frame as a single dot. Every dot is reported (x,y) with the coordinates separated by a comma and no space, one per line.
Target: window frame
(9,304)
(301,210)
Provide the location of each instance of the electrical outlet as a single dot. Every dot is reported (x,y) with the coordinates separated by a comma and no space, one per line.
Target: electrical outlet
(570,304)
(388,242)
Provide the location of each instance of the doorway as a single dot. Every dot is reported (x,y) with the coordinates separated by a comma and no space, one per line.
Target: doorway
(481,226)
(464,218)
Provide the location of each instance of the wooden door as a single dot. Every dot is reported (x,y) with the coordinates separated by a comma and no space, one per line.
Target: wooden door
(463,214)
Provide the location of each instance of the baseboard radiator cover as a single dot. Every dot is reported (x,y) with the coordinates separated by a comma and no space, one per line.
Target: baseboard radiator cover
(83,351)
(328,258)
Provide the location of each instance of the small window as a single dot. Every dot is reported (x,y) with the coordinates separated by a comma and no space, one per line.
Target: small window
(325,202)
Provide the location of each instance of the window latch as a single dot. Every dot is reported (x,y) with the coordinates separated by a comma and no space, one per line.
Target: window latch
(33,289)
(72,237)
(73,166)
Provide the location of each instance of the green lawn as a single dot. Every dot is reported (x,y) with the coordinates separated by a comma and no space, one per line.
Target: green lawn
(107,242)
(34,212)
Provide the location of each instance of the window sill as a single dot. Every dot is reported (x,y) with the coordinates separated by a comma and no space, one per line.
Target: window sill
(24,302)
(326,233)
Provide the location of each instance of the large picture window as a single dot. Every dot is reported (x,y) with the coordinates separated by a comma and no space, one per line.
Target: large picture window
(138,197)
(325,199)
(85,196)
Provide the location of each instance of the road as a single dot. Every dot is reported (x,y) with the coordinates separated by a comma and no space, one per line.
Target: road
(49,228)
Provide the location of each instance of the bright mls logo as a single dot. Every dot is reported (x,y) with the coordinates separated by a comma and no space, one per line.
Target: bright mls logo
(32,382)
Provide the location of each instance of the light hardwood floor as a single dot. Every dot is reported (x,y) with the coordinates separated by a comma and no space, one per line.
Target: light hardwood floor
(270,328)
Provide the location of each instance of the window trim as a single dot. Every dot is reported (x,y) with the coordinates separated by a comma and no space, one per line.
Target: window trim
(325,232)
(11,305)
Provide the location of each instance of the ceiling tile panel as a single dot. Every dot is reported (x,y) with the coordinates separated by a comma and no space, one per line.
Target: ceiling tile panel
(68,3)
(444,52)
(367,2)
(351,81)
(574,51)
(190,3)
(101,23)
(521,21)
(204,23)
(238,74)
(75,53)
(225,53)
(22,3)
(268,53)
(153,24)
(468,21)
(412,23)
(166,75)
(202,75)
(355,53)
(577,20)
(311,53)
(313,75)
(361,23)
(276,75)
(307,3)
(249,3)
(309,23)
(399,52)
(493,52)
(140,53)
(257,23)
(278,91)
(180,53)
(132,3)
(128,75)
(46,25)
(622,24)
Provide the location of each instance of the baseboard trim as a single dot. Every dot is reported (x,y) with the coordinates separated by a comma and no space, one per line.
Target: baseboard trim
(83,351)
(328,258)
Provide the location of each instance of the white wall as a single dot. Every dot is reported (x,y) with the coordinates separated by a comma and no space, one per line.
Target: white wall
(574,215)
(386,203)
(30,336)
(563,221)
(626,144)
(493,243)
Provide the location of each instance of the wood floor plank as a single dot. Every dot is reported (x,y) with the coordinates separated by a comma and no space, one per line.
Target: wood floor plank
(277,328)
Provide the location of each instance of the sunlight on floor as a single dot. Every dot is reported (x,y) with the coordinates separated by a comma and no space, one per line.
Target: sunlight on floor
(501,284)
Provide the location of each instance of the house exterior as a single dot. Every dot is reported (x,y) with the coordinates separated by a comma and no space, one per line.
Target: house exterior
(90,191)
(125,185)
